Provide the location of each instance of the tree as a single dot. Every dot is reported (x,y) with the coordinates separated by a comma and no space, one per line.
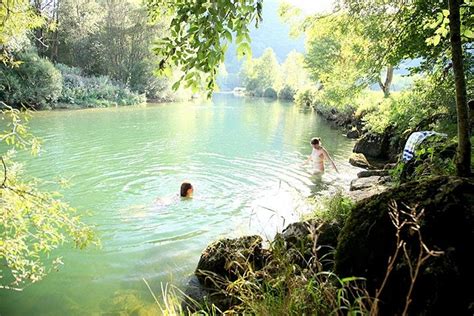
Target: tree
(200,32)
(338,58)
(293,72)
(422,29)
(261,73)
(463,164)
(16,19)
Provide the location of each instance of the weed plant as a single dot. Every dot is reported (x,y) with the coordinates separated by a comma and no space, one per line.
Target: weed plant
(335,208)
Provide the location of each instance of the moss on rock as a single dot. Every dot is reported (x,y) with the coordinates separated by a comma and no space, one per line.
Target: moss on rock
(368,240)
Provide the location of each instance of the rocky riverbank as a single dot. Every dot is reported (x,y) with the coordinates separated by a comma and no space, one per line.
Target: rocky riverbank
(435,221)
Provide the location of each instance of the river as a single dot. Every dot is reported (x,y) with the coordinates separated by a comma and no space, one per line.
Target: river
(243,157)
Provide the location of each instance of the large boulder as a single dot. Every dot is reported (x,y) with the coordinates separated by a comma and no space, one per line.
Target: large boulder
(228,258)
(306,241)
(222,262)
(443,285)
(373,146)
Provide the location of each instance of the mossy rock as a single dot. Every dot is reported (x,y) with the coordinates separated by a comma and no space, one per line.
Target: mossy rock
(222,262)
(302,242)
(228,258)
(368,240)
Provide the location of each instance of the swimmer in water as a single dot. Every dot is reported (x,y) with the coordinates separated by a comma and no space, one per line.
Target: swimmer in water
(318,156)
(186,190)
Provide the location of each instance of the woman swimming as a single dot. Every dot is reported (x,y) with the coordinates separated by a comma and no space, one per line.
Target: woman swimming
(186,190)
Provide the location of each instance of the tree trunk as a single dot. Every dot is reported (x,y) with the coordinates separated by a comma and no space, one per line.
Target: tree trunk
(55,36)
(463,163)
(388,81)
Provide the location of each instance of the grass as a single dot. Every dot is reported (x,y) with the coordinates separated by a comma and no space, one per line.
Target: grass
(332,208)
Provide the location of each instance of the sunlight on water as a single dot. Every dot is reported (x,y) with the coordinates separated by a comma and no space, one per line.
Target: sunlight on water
(243,157)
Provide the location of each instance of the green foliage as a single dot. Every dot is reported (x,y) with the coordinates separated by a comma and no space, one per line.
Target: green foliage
(261,73)
(333,208)
(339,60)
(200,32)
(90,91)
(405,113)
(287,93)
(293,73)
(32,223)
(410,30)
(306,97)
(35,82)
(270,93)
(112,39)
(16,18)
(263,76)
(435,156)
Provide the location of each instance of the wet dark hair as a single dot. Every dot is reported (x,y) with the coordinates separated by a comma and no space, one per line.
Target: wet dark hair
(185,186)
(315,141)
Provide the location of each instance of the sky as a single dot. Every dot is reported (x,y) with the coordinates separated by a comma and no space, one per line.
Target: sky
(313,6)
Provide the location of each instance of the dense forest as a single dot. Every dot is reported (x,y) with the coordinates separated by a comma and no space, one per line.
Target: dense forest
(85,54)
(380,71)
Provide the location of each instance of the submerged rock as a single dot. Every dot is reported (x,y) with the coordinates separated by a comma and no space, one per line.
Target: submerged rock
(368,240)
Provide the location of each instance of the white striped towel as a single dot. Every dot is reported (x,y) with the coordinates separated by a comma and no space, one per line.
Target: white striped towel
(414,140)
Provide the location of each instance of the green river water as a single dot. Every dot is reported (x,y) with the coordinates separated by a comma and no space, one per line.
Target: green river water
(243,157)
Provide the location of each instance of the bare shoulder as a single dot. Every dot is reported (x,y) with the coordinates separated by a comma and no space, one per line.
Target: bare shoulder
(324,151)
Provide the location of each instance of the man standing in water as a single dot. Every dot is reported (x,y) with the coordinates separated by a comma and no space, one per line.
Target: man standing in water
(318,155)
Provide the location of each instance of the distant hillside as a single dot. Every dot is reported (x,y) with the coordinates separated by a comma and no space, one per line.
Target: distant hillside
(271,33)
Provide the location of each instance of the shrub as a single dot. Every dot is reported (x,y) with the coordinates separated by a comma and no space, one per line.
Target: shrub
(420,107)
(34,83)
(306,97)
(270,93)
(287,93)
(435,156)
(90,91)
